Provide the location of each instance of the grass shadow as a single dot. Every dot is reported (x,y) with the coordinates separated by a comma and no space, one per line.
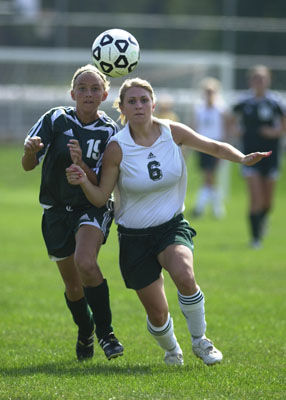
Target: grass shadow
(87,368)
(78,369)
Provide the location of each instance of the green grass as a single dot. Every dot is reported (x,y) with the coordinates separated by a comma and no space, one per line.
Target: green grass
(245,309)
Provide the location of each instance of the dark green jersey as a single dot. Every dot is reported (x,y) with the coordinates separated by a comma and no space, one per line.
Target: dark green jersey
(56,128)
(255,113)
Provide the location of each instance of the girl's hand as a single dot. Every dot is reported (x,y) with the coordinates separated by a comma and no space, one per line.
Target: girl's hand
(75,175)
(253,158)
(33,144)
(75,151)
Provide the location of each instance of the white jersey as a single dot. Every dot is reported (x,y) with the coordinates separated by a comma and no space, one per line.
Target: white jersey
(210,121)
(152,181)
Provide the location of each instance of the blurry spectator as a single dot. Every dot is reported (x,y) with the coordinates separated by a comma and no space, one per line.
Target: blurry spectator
(210,119)
(260,119)
(28,8)
(43,30)
(164,108)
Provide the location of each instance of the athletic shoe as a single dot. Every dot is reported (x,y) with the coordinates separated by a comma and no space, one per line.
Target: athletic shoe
(111,346)
(256,244)
(205,350)
(85,346)
(173,358)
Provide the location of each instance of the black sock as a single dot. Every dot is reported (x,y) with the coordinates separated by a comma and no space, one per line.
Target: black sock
(82,315)
(98,300)
(255,223)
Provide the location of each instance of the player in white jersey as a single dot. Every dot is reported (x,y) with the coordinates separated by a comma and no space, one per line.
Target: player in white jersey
(145,164)
(165,175)
(211,119)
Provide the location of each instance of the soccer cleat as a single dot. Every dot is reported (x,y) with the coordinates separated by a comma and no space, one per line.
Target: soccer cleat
(111,346)
(173,358)
(85,347)
(205,350)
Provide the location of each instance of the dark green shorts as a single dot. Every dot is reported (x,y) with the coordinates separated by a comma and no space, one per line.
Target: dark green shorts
(139,249)
(60,224)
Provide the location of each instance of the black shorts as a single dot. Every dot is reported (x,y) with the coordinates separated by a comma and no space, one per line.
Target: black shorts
(267,168)
(139,249)
(60,224)
(207,162)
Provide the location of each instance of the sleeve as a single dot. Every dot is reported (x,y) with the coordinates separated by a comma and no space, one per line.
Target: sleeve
(44,129)
(281,108)
(116,128)
(112,129)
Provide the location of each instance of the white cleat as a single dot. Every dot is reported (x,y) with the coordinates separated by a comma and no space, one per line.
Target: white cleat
(205,350)
(174,358)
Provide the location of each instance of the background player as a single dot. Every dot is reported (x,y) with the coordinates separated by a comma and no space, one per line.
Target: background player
(260,119)
(210,118)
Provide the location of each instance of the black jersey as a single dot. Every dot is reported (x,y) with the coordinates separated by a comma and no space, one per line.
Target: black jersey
(256,113)
(56,128)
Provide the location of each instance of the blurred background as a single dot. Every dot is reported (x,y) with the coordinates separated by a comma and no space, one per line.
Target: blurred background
(42,42)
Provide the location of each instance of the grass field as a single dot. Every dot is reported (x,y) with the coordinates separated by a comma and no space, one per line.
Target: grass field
(245,307)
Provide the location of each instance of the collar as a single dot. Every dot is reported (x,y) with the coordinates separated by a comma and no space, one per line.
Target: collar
(125,136)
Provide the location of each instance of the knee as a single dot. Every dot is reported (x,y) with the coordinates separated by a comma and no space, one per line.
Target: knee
(186,282)
(158,317)
(85,264)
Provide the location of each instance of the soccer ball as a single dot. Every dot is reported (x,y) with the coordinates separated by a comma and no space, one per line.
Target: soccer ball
(115,52)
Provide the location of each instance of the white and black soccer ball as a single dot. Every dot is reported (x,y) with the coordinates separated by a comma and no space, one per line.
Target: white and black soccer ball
(116,52)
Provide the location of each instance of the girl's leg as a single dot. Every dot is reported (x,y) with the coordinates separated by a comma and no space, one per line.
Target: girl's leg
(77,304)
(255,190)
(159,322)
(178,261)
(268,189)
(88,242)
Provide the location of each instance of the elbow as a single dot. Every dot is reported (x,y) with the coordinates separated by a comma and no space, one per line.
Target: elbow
(27,167)
(217,150)
(102,203)
(28,164)
(97,202)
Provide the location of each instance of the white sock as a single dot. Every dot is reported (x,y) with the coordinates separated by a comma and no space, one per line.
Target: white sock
(217,203)
(203,198)
(165,336)
(193,308)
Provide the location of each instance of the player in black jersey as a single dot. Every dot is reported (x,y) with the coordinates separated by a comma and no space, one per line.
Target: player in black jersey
(261,118)
(73,229)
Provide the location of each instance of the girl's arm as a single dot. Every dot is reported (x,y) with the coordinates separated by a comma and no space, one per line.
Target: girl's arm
(182,134)
(32,146)
(274,132)
(98,195)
